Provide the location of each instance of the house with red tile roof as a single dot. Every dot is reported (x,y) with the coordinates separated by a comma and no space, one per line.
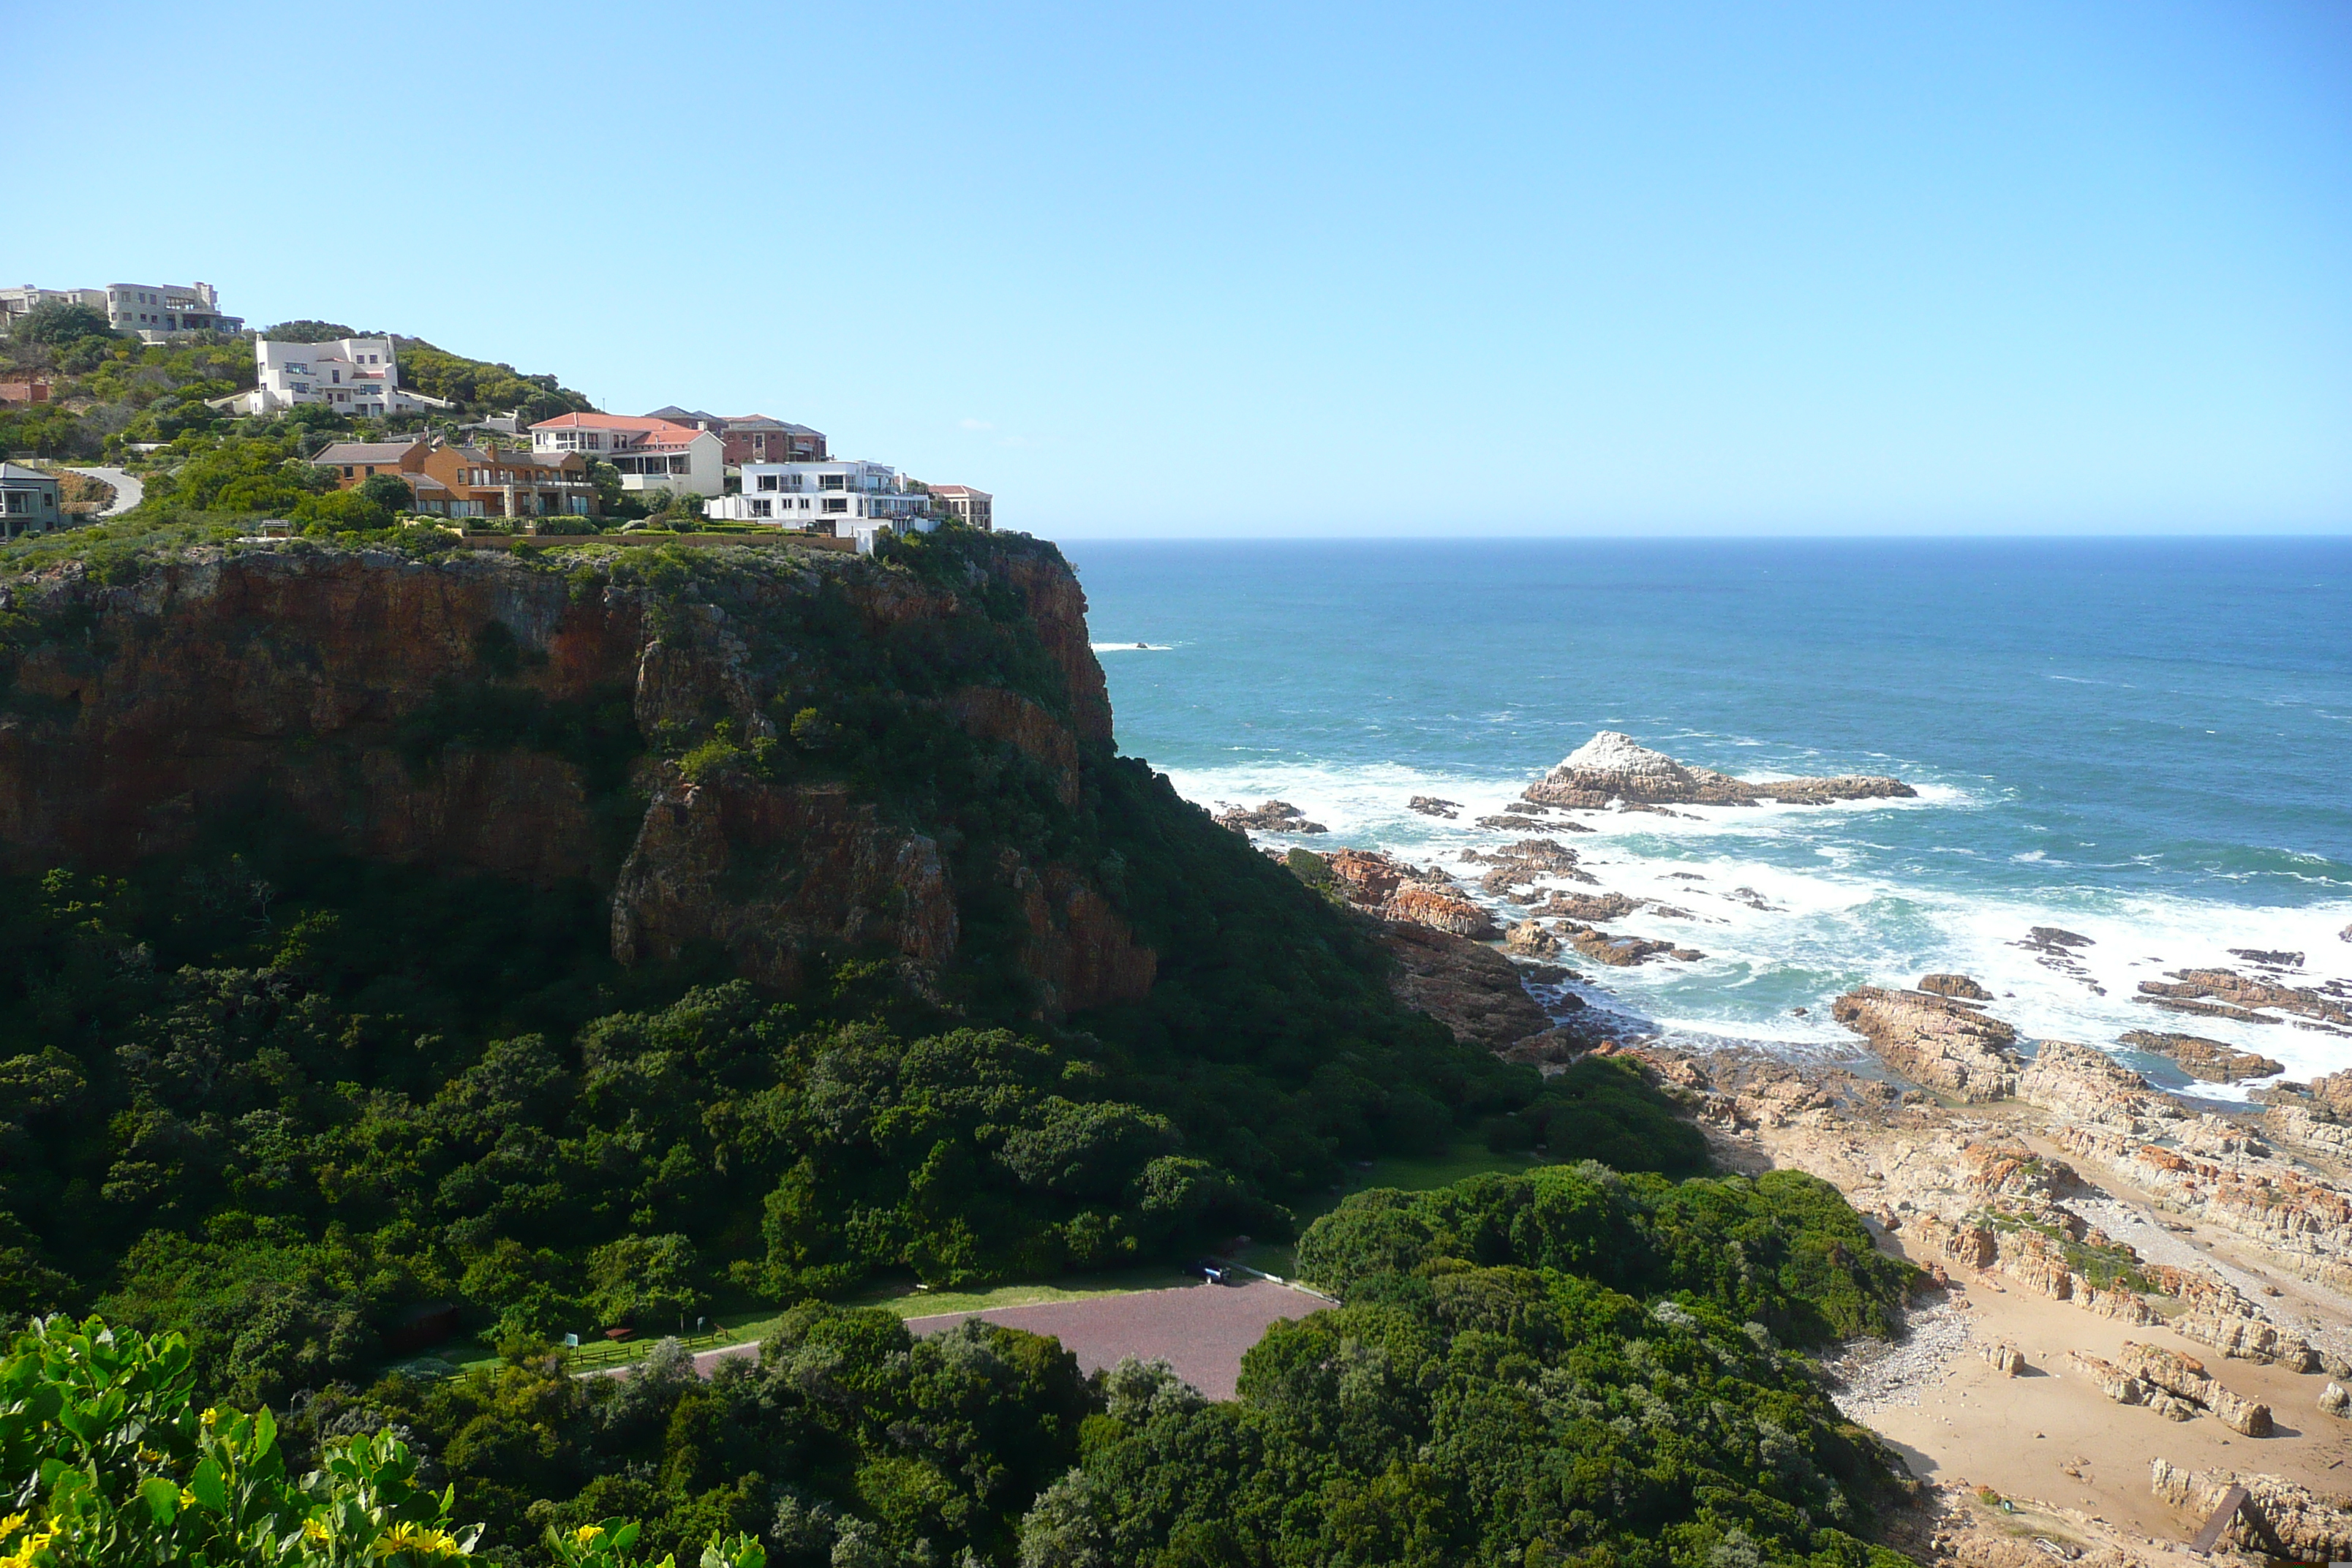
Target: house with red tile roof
(975,509)
(651,453)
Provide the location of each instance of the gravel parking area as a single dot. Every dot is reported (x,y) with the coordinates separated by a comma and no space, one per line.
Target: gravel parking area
(1202,1331)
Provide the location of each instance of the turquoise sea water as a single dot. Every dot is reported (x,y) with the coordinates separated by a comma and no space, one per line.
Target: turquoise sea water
(2148,743)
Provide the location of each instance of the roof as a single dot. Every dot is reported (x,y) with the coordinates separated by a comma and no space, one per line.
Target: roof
(18,471)
(686,416)
(966,491)
(610,422)
(762,422)
(367,451)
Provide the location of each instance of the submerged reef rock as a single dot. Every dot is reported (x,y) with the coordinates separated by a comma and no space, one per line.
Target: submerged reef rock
(1613,767)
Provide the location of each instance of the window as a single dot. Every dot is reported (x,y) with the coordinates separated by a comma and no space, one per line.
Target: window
(347,470)
(677,464)
(370,468)
(836,503)
(770,481)
(805,503)
(763,509)
(831,482)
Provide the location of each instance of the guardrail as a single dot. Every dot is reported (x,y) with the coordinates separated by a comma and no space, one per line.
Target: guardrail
(600,1353)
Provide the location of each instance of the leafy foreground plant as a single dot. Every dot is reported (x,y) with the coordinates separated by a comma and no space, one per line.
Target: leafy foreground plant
(105,1461)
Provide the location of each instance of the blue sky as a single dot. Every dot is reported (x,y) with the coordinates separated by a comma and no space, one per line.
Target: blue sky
(1296,269)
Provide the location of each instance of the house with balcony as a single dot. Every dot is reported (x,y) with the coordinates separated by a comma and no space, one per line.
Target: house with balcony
(651,453)
(974,509)
(155,311)
(355,376)
(847,500)
(459,483)
(30,502)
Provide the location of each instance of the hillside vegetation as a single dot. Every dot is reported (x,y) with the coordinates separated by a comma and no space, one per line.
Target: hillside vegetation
(276,1108)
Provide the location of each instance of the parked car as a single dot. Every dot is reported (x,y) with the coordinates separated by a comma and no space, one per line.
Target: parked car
(1215,1270)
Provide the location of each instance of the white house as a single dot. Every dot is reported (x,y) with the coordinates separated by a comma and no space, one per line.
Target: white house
(155,311)
(847,500)
(29,502)
(651,453)
(357,376)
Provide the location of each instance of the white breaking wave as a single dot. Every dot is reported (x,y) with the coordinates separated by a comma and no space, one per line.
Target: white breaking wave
(1787,904)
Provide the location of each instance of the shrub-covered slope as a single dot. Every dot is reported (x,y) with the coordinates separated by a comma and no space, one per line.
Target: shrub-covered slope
(575,938)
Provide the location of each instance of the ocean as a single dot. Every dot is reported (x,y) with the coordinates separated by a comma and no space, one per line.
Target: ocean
(2148,742)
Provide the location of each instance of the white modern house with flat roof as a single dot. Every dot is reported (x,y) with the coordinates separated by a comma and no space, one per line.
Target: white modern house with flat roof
(848,499)
(651,453)
(30,502)
(355,376)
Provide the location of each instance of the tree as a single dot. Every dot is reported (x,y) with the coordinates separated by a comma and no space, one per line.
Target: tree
(343,509)
(307,332)
(58,322)
(389,492)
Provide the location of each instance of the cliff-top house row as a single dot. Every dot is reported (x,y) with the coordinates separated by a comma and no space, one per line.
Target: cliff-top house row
(155,311)
(463,481)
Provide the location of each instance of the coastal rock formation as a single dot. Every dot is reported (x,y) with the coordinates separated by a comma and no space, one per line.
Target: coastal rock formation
(1622,951)
(1382,885)
(1270,816)
(1589,907)
(2309,1528)
(1468,986)
(1518,865)
(2185,1377)
(2238,996)
(2201,1057)
(2334,1400)
(1613,766)
(1933,1040)
(476,712)
(1955,987)
(1530,938)
(1430,805)
(2005,1357)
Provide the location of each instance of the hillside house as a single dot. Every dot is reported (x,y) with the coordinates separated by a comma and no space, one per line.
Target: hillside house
(460,482)
(651,453)
(975,509)
(752,438)
(30,502)
(355,376)
(155,311)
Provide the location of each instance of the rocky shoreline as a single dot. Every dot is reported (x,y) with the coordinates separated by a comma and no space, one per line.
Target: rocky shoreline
(2147,1278)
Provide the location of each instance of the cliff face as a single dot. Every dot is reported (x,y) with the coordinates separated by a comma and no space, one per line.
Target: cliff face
(620,719)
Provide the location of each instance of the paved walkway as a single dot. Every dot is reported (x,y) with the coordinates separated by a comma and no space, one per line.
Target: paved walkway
(128,491)
(1202,1331)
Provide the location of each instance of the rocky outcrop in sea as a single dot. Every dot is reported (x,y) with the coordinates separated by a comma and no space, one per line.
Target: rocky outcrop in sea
(1613,767)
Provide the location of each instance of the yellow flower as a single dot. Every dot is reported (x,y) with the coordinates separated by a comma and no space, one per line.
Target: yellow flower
(313,1530)
(29,1550)
(11,1524)
(588,1535)
(211,1417)
(187,1498)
